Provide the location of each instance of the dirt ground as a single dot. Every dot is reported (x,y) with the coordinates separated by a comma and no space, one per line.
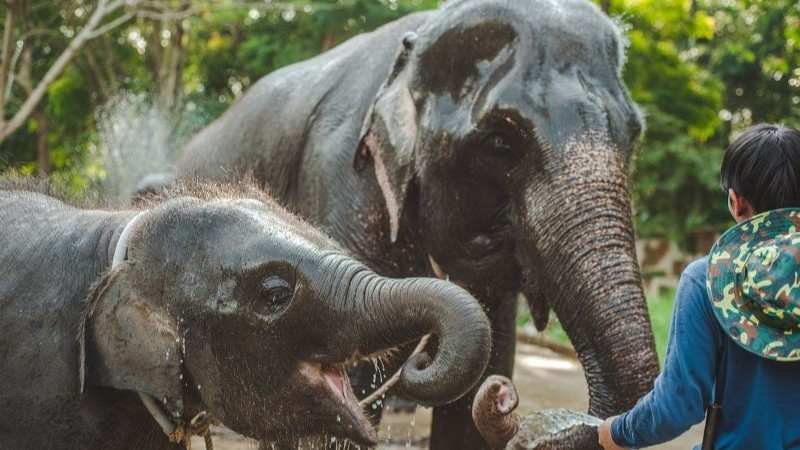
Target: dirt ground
(544,380)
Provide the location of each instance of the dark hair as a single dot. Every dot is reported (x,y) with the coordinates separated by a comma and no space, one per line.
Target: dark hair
(763,166)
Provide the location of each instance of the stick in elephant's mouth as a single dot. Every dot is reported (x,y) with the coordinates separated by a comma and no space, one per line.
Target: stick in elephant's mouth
(381,391)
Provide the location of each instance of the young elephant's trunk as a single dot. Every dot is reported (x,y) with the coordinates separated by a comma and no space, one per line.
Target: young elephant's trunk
(387,312)
(493,411)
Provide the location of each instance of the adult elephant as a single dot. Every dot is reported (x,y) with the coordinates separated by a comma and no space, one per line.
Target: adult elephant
(489,141)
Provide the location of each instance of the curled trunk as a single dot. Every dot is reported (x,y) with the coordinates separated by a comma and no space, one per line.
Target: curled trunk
(388,312)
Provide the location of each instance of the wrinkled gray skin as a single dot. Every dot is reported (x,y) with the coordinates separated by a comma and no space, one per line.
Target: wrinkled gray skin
(491,137)
(224,304)
(552,429)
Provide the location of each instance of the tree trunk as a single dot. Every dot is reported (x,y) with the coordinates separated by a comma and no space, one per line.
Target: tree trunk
(5,58)
(91,30)
(172,70)
(42,149)
(328,41)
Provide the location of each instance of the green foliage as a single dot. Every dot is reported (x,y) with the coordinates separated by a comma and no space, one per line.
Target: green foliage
(660,309)
(700,69)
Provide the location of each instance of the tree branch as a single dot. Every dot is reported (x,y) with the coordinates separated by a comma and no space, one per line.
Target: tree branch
(10,74)
(103,9)
(5,54)
(111,25)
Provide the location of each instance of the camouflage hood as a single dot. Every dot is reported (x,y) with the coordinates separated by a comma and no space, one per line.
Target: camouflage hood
(754,284)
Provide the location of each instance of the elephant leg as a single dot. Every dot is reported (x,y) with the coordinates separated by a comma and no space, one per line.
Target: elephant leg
(452,426)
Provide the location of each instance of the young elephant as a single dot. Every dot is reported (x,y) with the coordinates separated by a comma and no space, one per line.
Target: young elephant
(214,303)
(553,429)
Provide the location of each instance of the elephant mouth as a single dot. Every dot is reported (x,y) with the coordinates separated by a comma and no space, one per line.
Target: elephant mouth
(336,378)
(344,415)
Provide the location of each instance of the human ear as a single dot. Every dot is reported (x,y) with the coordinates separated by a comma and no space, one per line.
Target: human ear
(739,207)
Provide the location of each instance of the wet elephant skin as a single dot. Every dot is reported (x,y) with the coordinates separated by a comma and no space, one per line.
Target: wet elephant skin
(225,303)
(489,142)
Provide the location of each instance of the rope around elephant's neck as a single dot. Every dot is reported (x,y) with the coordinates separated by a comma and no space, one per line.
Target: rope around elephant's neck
(179,432)
(394,378)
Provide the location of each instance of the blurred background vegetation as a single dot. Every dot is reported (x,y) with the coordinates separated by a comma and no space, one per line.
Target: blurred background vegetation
(700,69)
(75,75)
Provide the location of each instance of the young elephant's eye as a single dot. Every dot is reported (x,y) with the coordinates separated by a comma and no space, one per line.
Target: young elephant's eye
(276,291)
(498,142)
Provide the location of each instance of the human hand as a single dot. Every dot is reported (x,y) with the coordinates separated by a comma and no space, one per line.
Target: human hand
(604,435)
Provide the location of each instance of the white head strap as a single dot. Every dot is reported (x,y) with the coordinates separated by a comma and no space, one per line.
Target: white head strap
(121,249)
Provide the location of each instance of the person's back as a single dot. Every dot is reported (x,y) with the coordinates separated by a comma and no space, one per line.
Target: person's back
(760,396)
(739,310)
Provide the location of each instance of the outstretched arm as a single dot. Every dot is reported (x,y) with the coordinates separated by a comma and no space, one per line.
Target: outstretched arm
(684,388)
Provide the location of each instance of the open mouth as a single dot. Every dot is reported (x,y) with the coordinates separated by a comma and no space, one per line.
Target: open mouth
(338,381)
(350,421)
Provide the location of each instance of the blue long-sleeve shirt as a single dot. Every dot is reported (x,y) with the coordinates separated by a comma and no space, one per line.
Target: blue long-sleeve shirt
(760,399)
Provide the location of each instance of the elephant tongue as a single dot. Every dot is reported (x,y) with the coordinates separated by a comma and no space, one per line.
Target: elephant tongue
(353,419)
(335,378)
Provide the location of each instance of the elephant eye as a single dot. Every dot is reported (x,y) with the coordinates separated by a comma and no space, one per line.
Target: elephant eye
(498,143)
(276,291)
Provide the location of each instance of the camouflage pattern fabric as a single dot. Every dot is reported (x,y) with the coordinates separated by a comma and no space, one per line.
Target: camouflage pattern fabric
(754,284)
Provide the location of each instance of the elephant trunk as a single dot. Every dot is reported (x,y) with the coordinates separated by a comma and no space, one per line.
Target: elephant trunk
(390,312)
(493,411)
(588,264)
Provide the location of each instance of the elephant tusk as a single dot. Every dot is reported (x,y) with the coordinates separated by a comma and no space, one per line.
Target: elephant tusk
(166,424)
(437,269)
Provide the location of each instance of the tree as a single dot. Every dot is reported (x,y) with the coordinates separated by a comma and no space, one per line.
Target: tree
(14,20)
(675,181)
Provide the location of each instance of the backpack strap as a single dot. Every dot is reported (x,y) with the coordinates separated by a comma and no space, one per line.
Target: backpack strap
(714,412)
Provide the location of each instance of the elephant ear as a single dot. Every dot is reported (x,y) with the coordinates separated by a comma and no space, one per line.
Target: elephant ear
(388,136)
(133,345)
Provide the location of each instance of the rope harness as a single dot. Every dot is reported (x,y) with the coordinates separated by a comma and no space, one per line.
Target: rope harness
(180,431)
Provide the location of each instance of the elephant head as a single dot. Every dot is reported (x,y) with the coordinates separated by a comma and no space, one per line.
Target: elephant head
(505,127)
(232,306)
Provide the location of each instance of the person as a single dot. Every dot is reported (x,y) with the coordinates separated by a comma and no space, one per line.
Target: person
(736,310)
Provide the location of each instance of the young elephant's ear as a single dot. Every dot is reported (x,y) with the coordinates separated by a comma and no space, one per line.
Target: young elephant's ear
(133,345)
(388,136)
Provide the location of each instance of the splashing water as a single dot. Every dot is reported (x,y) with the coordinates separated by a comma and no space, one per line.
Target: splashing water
(137,138)
(134,142)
